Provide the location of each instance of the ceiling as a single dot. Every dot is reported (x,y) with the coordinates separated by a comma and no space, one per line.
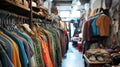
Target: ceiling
(62,2)
(59,2)
(66,6)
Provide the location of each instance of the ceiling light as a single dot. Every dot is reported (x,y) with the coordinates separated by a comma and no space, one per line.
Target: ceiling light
(51,0)
(78,2)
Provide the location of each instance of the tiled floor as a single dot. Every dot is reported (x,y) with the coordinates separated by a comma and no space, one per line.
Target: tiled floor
(73,58)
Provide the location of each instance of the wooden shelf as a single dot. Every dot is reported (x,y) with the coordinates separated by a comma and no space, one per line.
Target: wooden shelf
(14,8)
(36,15)
(93,62)
(89,63)
(17,8)
(18,5)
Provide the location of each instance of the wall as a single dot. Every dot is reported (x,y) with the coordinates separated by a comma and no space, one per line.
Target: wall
(119,27)
(115,17)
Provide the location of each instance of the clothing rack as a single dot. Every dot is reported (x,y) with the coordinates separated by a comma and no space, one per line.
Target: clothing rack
(42,21)
(7,14)
(8,19)
(91,17)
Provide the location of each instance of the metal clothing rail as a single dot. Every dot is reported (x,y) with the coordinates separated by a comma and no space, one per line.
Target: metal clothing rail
(8,20)
(42,23)
(38,20)
(91,17)
(7,14)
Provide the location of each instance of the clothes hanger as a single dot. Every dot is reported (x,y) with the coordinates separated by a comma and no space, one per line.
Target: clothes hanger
(6,22)
(3,16)
(0,21)
(13,23)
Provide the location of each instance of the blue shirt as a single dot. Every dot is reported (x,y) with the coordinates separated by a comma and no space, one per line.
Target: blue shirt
(8,46)
(22,53)
(5,60)
(94,29)
(28,39)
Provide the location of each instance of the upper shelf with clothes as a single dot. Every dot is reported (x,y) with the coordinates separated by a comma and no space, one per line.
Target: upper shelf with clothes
(17,8)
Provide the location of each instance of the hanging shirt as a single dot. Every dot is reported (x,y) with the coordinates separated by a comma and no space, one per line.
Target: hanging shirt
(94,29)
(5,60)
(38,53)
(58,44)
(38,49)
(23,55)
(27,48)
(15,54)
(8,46)
(2,55)
(104,23)
(84,31)
(51,47)
(45,51)
(87,33)
(46,56)
(30,41)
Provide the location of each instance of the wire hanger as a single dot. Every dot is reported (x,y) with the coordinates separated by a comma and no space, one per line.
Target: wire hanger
(8,19)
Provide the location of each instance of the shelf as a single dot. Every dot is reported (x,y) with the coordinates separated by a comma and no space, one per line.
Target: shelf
(14,8)
(94,62)
(17,8)
(36,15)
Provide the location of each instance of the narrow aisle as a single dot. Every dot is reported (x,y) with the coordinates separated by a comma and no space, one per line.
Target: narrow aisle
(73,58)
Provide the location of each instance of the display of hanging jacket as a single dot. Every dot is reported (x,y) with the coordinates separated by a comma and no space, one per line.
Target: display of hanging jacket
(45,53)
(103,23)
(96,27)
(23,55)
(28,49)
(15,54)
(6,45)
(94,31)
(30,41)
(44,48)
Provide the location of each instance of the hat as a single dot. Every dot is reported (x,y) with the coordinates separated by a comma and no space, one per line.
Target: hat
(34,4)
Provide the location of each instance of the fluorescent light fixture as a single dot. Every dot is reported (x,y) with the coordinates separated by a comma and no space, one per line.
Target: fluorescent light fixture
(78,2)
(51,0)
(64,13)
